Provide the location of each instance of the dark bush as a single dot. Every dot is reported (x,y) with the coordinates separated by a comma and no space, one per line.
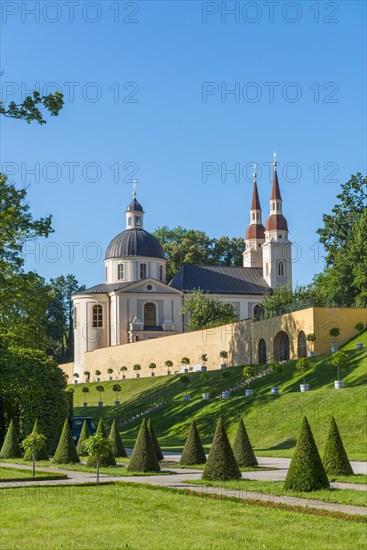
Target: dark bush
(118,448)
(155,441)
(335,458)
(105,460)
(66,452)
(42,454)
(11,447)
(221,462)
(193,452)
(143,458)
(242,449)
(84,434)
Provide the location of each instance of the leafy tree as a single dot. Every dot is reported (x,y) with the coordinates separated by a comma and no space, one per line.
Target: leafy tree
(41,453)
(117,445)
(185,361)
(221,464)
(85,390)
(152,366)
(137,368)
(98,449)
(248,372)
(302,366)
(143,458)
(169,364)
(84,434)
(306,471)
(100,389)
(339,360)
(155,442)
(276,367)
(66,452)
(359,327)
(242,448)
(335,458)
(205,311)
(33,444)
(11,447)
(224,355)
(29,109)
(116,388)
(107,460)
(193,451)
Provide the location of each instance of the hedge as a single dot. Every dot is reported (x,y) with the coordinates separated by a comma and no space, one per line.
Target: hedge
(193,452)
(221,462)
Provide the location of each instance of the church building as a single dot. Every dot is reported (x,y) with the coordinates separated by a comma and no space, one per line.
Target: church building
(136,303)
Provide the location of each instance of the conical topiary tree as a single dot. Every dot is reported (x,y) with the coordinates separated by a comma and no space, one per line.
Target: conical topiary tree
(193,452)
(84,434)
(144,458)
(242,449)
(221,462)
(108,460)
(155,441)
(40,455)
(116,441)
(335,458)
(66,452)
(306,471)
(11,447)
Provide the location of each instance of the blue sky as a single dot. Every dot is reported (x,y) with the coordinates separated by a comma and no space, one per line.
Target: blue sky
(147,91)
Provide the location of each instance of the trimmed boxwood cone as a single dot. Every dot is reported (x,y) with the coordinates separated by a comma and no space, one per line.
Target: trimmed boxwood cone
(155,441)
(42,454)
(11,447)
(335,458)
(104,460)
(116,441)
(66,452)
(242,449)
(84,434)
(306,471)
(221,462)
(193,452)
(143,458)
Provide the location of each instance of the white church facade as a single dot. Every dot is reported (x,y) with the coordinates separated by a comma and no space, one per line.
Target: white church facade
(135,303)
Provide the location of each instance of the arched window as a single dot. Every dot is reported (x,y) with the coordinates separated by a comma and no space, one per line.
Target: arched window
(120,271)
(262,352)
(161,272)
(302,346)
(266,270)
(281,269)
(97,316)
(143,271)
(258,311)
(281,346)
(253,215)
(150,315)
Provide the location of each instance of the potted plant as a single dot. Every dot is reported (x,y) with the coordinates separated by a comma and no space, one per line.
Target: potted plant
(186,381)
(137,368)
(339,360)
(223,375)
(169,365)
(302,366)
(110,371)
(100,389)
(116,388)
(152,366)
(276,367)
(98,374)
(75,376)
(203,359)
(248,373)
(334,333)
(185,361)
(223,355)
(85,390)
(359,327)
(204,377)
(123,370)
(311,337)
(87,376)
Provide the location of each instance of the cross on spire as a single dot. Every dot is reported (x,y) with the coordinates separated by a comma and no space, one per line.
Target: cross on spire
(134,188)
(275,161)
(255,172)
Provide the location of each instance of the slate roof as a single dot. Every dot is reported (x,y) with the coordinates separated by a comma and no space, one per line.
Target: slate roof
(218,279)
(103,288)
(134,206)
(134,242)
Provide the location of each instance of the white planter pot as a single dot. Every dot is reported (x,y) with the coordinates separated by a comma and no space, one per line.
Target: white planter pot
(338,384)
(187,397)
(75,381)
(274,390)
(98,379)
(311,354)
(203,368)
(85,404)
(249,392)
(100,403)
(205,396)
(117,403)
(168,372)
(110,378)
(137,375)
(304,387)
(359,345)
(226,394)
(123,377)
(334,349)
(186,370)
(152,374)
(223,366)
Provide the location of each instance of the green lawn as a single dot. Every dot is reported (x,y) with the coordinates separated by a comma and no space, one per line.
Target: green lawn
(16,474)
(136,517)
(272,421)
(359,479)
(340,496)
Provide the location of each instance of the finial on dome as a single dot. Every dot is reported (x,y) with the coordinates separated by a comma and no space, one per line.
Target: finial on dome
(134,188)
(255,172)
(275,161)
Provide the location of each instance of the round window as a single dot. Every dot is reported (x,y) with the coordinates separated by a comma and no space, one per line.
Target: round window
(149,288)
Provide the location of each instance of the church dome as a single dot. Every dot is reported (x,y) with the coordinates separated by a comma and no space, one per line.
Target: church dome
(134,242)
(276,222)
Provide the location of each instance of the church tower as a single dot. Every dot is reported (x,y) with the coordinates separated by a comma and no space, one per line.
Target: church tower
(277,251)
(255,234)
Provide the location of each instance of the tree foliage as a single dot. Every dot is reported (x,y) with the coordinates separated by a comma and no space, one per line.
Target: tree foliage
(30,109)
(143,458)
(221,462)
(84,435)
(335,458)
(40,450)
(66,452)
(205,311)
(117,445)
(193,451)
(108,459)
(242,448)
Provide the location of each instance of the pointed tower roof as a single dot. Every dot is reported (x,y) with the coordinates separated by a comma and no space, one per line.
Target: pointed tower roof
(134,206)
(255,203)
(275,190)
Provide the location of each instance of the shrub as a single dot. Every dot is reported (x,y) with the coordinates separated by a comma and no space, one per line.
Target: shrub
(143,458)
(193,452)
(169,364)
(302,366)
(84,434)
(185,361)
(155,441)
(221,462)
(306,471)
(335,458)
(248,373)
(116,388)
(99,447)
(339,360)
(152,366)
(70,397)
(106,460)
(42,454)
(117,445)
(66,452)
(242,449)
(276,367)
(359,327)
(11,447)
(85,390)
(100,389)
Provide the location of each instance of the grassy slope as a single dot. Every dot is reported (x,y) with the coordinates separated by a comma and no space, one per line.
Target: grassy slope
(154,518)
(272,421)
